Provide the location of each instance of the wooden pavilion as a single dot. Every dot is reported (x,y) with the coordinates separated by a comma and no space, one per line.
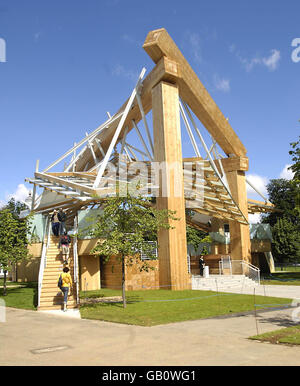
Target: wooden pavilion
(211,181)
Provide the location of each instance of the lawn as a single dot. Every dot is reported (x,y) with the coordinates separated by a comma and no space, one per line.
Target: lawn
(289,335)
(24,296)
(153,307)
(282,278)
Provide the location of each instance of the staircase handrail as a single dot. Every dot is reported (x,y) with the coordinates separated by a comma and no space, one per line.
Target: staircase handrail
(75,258)
(43,261)
(245,266)
(252,268)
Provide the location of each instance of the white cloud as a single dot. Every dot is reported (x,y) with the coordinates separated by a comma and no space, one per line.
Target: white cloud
(20,194)
(254,218)
(286,173)
(195,42)
(261,182)
(221,84)
(271,62)
(120,70)
(258,182)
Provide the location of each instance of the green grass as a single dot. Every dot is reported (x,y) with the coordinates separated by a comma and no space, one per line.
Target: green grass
(287,269)
(21,297)
(282,278)
(11,283)
(153,307)
(289,335)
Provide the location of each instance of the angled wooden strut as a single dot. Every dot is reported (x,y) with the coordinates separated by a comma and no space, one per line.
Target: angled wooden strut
(159,44)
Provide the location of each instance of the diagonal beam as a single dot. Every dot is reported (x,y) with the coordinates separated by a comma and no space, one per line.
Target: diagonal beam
(159,44)
(166,70)
(142,140)
(79,144)
(118,130)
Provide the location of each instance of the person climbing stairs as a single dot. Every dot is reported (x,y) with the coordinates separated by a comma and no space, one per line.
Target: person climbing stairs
(51,297)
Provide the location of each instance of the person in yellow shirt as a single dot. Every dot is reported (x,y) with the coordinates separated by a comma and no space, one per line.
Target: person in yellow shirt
(66,285)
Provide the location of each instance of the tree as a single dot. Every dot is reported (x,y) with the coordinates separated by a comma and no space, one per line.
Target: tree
(286,240)
(123,229)
(15,207)
(13,241)
(284,223)
(282,194)
(295,153)
(194,236)
(295,167)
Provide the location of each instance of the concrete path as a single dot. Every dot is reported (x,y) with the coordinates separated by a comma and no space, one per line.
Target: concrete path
(279,291)
(36,338)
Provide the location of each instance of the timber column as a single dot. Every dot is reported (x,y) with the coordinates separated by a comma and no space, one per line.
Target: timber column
(173,269)
(240,244)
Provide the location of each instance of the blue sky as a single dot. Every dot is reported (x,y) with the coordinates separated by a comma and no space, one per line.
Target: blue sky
(69,62)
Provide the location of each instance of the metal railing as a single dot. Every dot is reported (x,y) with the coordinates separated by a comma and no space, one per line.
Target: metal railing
(43,261)
(239,267)
(154,253)
(75,258)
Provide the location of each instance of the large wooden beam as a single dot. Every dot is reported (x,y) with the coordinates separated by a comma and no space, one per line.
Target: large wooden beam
(173,270)
(159,44)
(240,244)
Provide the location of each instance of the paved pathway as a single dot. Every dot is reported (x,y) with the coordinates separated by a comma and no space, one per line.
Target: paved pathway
(37,338)
(280,291)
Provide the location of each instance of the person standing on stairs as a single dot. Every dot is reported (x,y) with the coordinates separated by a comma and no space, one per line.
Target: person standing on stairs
(64,244)
(201,265)
(62,217)
(66,285)
(55,223)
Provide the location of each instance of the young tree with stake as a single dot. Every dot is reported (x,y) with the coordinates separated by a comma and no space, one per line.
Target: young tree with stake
(123,229)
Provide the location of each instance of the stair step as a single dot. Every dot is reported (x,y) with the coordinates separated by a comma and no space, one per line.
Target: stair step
(56,307)
(57,264)
(52,291)
(55,271)
(51,296)
(51,280)
(56,302)
(50,299)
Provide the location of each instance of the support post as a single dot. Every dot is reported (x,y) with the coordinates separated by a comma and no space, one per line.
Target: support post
(240,244)
(173,268)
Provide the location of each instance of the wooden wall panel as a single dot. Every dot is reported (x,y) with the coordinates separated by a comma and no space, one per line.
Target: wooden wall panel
(89,269)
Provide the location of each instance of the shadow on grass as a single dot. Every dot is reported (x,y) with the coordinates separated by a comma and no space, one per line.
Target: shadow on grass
(114,303)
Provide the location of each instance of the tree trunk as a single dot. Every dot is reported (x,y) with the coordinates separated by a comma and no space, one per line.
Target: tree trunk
(4,284)
(123,282)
